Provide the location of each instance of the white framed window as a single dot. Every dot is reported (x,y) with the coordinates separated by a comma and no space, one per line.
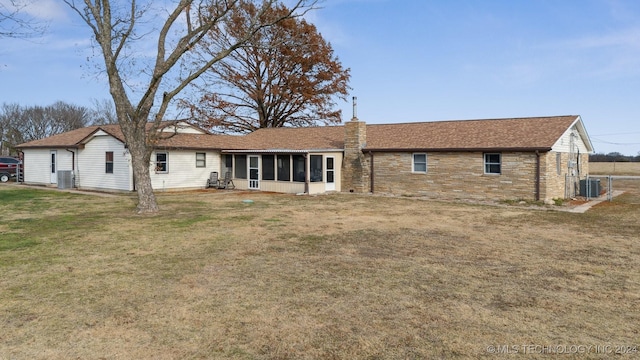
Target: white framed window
(492,163)
(419,163)
(201,160)
(162,163)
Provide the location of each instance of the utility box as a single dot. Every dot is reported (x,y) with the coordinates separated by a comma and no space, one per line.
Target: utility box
(590,188)
(65,179)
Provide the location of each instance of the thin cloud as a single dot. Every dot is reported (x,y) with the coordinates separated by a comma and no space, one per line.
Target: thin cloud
(627,38)
(45,9)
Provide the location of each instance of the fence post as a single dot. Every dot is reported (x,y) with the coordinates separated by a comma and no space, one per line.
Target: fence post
(609,188)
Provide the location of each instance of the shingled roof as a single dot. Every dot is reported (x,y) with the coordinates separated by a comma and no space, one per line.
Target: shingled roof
(534,133)
(76,138)
(309,138)
(73,138)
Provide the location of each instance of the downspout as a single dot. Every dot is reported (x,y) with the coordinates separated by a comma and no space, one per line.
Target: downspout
(306,173)
(73,159)
(578,163)
(73,166)
(371,171)
(537,176)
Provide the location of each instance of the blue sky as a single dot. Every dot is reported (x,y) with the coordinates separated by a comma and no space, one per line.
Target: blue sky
(418,60)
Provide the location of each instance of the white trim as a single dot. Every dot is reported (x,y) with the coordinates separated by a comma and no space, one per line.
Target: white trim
(485,163)
(254,184)
(413,163)
(166,162)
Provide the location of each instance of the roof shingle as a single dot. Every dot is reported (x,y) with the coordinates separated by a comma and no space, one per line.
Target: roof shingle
(534,133)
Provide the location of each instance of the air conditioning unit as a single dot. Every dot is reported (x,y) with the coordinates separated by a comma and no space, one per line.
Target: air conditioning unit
(590,187)
(65,179)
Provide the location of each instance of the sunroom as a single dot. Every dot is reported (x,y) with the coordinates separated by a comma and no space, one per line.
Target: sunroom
(284,171)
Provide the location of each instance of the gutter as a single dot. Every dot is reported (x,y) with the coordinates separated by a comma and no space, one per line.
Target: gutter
(520,149)
(307,175)
(73,159)
(371,178)
(73,167)
(537,180)
(280,151)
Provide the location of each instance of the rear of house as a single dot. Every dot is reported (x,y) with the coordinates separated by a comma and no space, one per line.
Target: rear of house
(539,158)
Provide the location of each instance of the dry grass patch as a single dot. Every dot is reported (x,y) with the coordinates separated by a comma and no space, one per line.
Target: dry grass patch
(615,168)
(300,277)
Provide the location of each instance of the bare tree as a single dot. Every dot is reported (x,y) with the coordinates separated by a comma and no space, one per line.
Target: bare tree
(20,124)
(7,113)
(16,23)
(103,112)
(119,30)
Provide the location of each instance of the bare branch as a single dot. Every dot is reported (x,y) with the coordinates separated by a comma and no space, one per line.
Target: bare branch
(15,22)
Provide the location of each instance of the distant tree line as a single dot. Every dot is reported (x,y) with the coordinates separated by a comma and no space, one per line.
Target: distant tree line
(614,157)
(20,124)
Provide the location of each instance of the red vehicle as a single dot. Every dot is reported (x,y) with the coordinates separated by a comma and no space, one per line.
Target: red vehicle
(8,168)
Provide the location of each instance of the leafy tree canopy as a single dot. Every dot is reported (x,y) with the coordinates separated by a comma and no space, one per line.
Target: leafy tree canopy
(285,75)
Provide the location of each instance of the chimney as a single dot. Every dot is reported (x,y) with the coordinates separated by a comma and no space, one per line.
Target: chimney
(355,174)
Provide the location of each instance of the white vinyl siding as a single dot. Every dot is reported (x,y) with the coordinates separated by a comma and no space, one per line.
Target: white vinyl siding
(562,145)
(91,165)
(37,164)
(182,172)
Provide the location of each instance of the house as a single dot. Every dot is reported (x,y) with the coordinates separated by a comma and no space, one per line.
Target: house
(536,158)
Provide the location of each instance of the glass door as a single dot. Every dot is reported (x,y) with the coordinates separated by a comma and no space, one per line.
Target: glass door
(54,167)
(330,173)
(254,172)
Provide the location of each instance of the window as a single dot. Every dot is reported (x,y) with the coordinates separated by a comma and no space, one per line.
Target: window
(559,163)
(284,171)
(316,168)
(162,165)
(201,160)
(420,163)
(241,166)
(492,163)
(108,162)
(299,168)
(227,165)
(268,167)
(228,161)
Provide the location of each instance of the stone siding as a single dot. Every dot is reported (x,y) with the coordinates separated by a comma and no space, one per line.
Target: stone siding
(355,166)
(457,175)
(556,181)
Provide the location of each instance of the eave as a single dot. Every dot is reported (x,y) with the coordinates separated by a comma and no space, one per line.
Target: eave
(501,149)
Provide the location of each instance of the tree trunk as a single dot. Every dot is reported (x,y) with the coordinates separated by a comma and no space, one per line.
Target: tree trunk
(140,159)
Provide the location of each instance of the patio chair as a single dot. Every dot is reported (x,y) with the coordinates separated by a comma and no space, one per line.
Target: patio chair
(227,182)
(213,180)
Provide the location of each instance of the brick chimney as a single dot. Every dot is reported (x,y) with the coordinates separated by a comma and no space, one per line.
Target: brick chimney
(355,172)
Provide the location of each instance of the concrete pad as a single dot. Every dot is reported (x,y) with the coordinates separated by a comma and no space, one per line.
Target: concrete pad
(588,205)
